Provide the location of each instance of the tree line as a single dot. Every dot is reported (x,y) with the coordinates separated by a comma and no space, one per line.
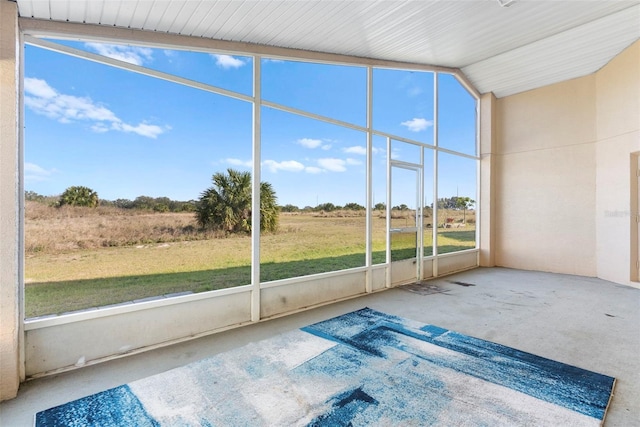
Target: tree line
(85,196)
(226,205)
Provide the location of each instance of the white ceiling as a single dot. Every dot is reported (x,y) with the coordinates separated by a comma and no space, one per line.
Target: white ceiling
(504,50)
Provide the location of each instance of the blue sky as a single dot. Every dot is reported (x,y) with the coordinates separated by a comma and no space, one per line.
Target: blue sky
(126,135)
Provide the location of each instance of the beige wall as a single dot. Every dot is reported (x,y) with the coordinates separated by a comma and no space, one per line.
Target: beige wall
(545,179)
(9,272)
(562,180)
(618,136)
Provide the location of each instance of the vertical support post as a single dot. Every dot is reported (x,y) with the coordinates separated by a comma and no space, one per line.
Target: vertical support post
(255,192)
(369,185)
(436,154)
(420,216)
(388,243)
(11,309)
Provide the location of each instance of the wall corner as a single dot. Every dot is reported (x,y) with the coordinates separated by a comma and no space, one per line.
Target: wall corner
(10,301)
(487,179)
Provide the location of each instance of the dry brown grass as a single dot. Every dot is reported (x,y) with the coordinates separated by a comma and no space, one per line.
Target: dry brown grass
(51,230)
(55,230)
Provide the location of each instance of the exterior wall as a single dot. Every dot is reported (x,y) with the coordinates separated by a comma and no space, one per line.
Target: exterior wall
(545,181)
(10,325)
(75,340)
(618,136)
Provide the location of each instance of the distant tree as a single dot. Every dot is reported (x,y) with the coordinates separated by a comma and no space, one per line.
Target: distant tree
(401,207)
(289,208)
(124,203)
(327,207)
(227,205)
(162,204)
(380,206)
(33,196)
(79,196)
(143,202)
(353,207)
(189,206)
(464,203)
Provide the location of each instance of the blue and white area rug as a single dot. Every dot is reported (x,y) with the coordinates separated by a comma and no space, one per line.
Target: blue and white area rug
(364,368)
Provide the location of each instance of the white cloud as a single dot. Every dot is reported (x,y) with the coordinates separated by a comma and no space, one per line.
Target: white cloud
(39,88)
(45,100)
(333,164)
(356,149)
(228,61)
(286,165)
(131,54)
(238,162)
(417,124)
(33,172)
(313,169)
(310,143)
(360,150)
(142,129)
(313,143)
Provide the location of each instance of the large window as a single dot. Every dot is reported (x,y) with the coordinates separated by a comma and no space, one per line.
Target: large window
(139,164)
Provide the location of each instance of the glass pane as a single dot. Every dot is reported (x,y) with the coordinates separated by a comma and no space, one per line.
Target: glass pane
(335,91)
(456,203)
(405,152)
(231,72)
(456,116)
(428,220)
(403,103)
(318,172)
(403,231)
(379,188)
(146,149)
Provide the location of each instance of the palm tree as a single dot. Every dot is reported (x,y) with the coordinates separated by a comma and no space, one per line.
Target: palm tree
(227,205)
(79,196)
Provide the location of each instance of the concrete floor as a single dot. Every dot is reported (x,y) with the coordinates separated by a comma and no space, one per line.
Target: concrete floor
(584,322)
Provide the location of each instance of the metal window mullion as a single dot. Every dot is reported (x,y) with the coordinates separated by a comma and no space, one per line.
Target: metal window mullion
(436,153)
(388,243)
(255,193)
(369,185)
(420,219)
(478,177)
(309,115)
(67,50)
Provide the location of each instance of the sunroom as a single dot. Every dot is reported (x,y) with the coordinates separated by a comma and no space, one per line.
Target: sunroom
(427,139)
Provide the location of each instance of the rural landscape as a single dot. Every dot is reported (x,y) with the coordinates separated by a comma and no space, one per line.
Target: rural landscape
(82,252)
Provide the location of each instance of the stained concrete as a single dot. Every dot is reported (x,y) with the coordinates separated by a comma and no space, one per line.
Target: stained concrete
(586,322)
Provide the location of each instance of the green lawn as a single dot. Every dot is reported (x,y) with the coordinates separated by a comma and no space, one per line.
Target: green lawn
(81,279)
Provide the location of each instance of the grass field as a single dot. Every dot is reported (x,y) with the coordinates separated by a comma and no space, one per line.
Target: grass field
(81,258)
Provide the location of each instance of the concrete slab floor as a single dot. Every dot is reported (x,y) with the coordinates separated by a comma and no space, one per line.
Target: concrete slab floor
(585,322)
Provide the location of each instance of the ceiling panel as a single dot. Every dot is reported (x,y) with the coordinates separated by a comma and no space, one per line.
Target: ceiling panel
(503,50)
(570,54)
